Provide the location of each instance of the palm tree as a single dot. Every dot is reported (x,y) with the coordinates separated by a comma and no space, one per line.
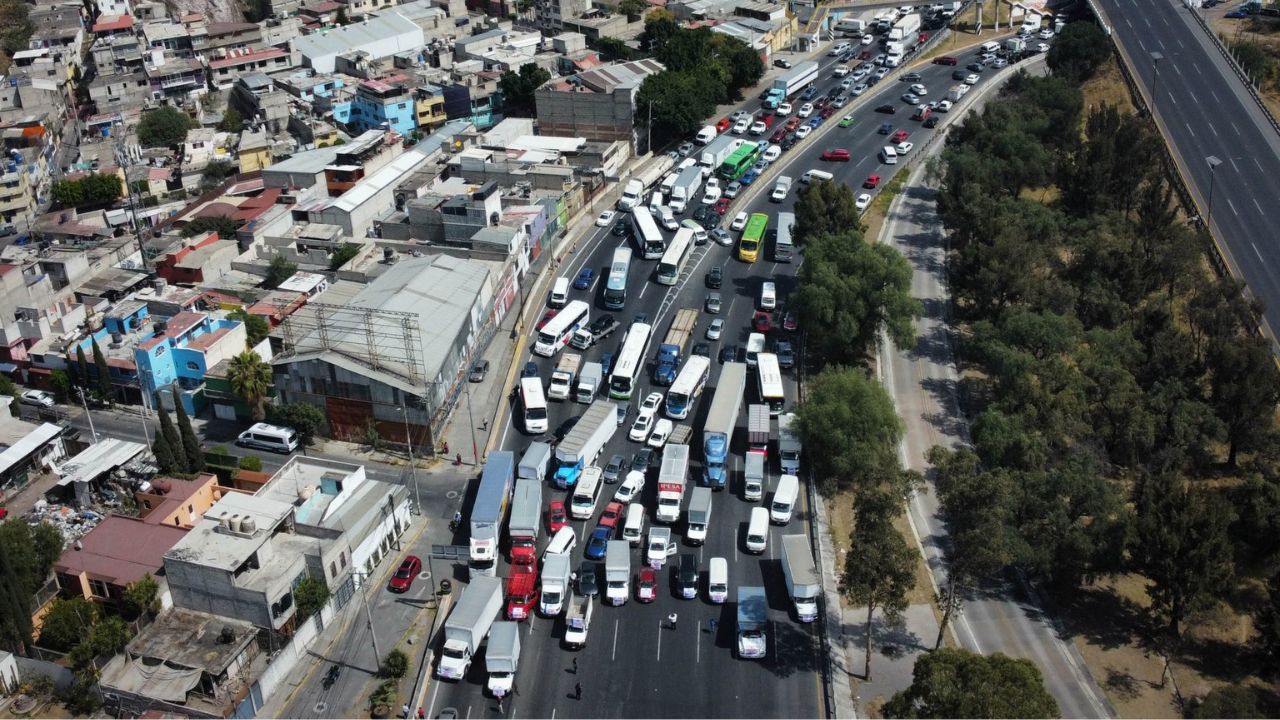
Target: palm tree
(250,378)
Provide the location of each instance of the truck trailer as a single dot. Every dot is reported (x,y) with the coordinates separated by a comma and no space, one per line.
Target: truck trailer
(467,626)
(804,585)
(712,155)
(685,189)
(800,76)
(672,349)
(490,511)
(582,445)
(671,482)
(502,657)
(526,516)
(717,432)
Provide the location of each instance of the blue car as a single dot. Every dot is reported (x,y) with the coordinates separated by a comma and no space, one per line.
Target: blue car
(815,121)
(597,543)
(748,178)
(530,370)
(886,128)
(1236,14)
(606,362)
(584,279)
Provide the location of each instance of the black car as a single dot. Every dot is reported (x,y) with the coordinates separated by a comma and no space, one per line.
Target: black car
(710,222)
(959,75)
(565,427)
(700,213)
(622,228)
(613,469)
(783,63)
(931,121)
(599,324)
(976,67)
(702,349)
(530,370)
(786,356)
(642,460)
(834,92)
(715,276)
(588,579)
(641,318)
(912,77)
(728,353)
(789,142)
(887,109)
(478,370)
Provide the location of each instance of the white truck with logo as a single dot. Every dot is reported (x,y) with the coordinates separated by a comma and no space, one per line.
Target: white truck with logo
(672,478)
(617,572)
(502,657)
(467,626)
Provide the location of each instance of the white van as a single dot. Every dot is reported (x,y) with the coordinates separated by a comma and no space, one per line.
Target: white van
(562,543)
(669,183)
(815,175)
(758,531)
(705,135)
(585,495)
(718,580)
(784,499)
(768,296)
(888,155)
(755,346)
(633,529)
(838,48)
(559,293)
(655,202)
(269,437)
(988,47)
(668,218)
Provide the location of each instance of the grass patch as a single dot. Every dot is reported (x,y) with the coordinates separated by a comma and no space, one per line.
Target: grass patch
(1107,87)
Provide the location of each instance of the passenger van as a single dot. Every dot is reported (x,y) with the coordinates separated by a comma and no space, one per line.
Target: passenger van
(687,577)
(562,543)
(755,346)
(585,495)
(656,202)
(718,580)
(784,499)
(633,529)
(815,175)
(560,293)
(888,155)
(839,48)
(705,135)
(768,296)
(269,437)
(988,47)
(668,218)
(757,531)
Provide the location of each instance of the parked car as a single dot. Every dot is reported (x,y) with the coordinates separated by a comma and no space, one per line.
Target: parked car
(479,369)
(405,574)
(38,398)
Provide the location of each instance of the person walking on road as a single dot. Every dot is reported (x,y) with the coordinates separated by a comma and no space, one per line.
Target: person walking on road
(577,691)
(575,666)
(671,620)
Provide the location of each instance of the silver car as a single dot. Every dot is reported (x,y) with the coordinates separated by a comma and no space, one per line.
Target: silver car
(713,303)
(715,329)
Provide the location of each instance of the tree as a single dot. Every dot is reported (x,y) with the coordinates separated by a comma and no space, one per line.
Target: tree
(1078,51)
(881,569)
(1245,389)
(82,367)
(825,208)
(850,428)
(1267,622)
(1256,61)
(256,327)
(613,49)
(1228,701)
(1182,548)
(518,88)
(215,172)
(173,441)
(252,463)
(311,595)
(342,255)
(61,382)
(340,17)
(66,623)
(250,379)
(223,225)
(15,606)
(190,443)
(674,104)
(231,122)
(105,391)
(142,597)
(951,683)
(633,9)
(17,26)
(395,664)
(92,190)
(165,458)
(164,126)
(278,270)
(307,420)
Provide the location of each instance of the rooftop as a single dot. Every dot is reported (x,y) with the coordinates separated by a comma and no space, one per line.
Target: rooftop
(210,544)
(120,550)
(100,458)
(313,486)
(376,30)
(31,442)
(608,78)
(191,639)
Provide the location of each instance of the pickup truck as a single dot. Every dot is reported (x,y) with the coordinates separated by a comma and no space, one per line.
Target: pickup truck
(599,329)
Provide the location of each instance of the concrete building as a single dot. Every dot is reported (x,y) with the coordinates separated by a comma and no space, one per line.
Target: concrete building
(379,36)
(196,260)
(380,104)
(257,99)
(36,452)
(223,71)
(598,104)
(175,358)
(552,14)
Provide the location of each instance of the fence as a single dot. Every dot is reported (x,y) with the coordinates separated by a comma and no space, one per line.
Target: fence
(1235,67)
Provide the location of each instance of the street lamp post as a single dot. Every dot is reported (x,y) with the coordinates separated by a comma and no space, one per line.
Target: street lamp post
(1156,57)
(1213,162)
(92,431)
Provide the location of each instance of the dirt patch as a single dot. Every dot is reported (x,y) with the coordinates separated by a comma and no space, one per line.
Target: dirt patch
(1263,31)
(840,516)
(1107,87)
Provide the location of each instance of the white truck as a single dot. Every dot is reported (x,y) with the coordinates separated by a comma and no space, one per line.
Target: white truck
(671,481)
(582,445)
(659,548)
(535,462)
(753,623)
(753,476)
(585,337)
(715,153)
(957,92)
(589,382)
(699,516)
(489,511)
(906,28)
(577,621)
(467,626)
(758,428)
(780,189)
(562,378)
(502,657)
(617,571)
(789,446)
(803,583)
(685,189)
(851,27)
(632,193)
(555,584)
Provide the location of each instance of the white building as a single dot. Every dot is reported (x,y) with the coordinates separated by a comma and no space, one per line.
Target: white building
(379,36)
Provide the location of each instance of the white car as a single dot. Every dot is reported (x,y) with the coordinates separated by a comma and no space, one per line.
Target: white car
(715,329)
(858,89)
(1046,34)
(1042,48)
(919,89)
(39,398)
(803,131)
(711,193)
(904,148)
(773,153)
(784,109)
(805,110)
(741,126)
(862,202)
(641,428)
(758,127)
(651,403)
(661,432)
(630,488)
(944,106)
(739,221)
(847,83)
(910,99)
(605,218)
(868,39)
(841,70)
(971,80)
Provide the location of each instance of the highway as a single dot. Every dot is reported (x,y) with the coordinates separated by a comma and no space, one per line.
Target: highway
(1205,111)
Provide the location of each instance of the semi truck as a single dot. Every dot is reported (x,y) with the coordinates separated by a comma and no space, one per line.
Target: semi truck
(803,582)
(555,584)
(717,432)
(589,382)
(671,482)
(582,445)
(526,514)
(585,337)
(685,189)
(561,385)
(791,83)
(535,462)
(672,348)
(851,27)
(712,155)
(502,657)
(753,622)
(577,621)
(906,29)
(758,427)
(617,571)
(789,444)
(699,516)
(632,193)
(490,511)
(753,476)
(467,626)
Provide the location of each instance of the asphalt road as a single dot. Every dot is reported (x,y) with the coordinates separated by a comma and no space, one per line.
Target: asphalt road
(1205,111)
(631,666)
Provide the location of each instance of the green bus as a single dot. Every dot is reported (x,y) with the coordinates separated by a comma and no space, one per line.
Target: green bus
(752,237)
(739,162)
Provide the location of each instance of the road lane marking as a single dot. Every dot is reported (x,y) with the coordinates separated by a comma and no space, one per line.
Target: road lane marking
(1213,130)
(1255,204)
(644,289)
(1255,252)
(1146,20)
(1177,70)
(1188,126)
(1233,207)
(468,712)
(1233,127)
(1234,165)
(1215,96)
(614,655)
(1255,162)
(1180,45)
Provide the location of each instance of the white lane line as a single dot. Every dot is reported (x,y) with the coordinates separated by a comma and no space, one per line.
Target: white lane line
(1215,97)
(1146,20)
(644,289)
(1180,45)
(1237,130)
(1255,162)
(1234,165)
(697,645)
(613,656)
(1213,130)
(1188,125)
(1255,252)
(1233,207)
(1197,68)
(1126,22)
(1177,70)
(1165,20)
(468,712)
(431,706)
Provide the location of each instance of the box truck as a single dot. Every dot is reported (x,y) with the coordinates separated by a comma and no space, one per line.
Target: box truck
(577,621)
(753,620)
(582,445)
(467,626)
(617,571)
(589,382)
(555,584)
(526,516)
(671,482)
(699,516)
(562,377)
(489,512)
(502,657)
(803,583)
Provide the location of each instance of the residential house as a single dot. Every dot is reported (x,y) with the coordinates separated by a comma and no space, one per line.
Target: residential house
(116,553)
(598,104)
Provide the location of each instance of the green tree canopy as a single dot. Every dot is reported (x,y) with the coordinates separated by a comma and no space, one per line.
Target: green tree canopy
(278,270)
(256,327)
(1078,51)
(142,597)
(1228,701)
(881,570)
(17,27)
(164,126)
(221,224)
(825,208)
(518,88)
(190,443)
(90,191)
(177,454)
(343,255)
(307,420)
(67,622)
(849,427)
(250,378)
(951,683)
(27,553)
(231,121)
(311,595)
(613,49)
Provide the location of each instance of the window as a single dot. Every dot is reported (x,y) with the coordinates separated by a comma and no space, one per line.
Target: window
(343,558)
(146,504)
(98,588)
(191,508)
(333,569)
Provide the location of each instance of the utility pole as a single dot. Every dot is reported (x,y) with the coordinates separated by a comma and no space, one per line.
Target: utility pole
(92,431)
(413,471)
(1213,162)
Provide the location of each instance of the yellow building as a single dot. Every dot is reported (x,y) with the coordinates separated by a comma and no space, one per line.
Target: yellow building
(430,111)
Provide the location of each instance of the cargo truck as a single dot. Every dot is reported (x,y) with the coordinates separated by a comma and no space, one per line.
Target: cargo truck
(803,583)
(957,92)
(467,626)
(800,76)
(555,584)
(789,444)
(717,432)
(582,445)
(672,349)
(577,621)
(753,477)
(680,436)
(659,548)
(489,512)
(535,462)
(1015,45)
(522,590)
(699,516)
(851,27)
(502,657)
(671,482)
(753,623)
(526,516)
(585,337)
(561,385)
(632,193)
(617,572)
(758,427)
(907,28)
(685,189)
(589,382)
(715,153)
(780,189)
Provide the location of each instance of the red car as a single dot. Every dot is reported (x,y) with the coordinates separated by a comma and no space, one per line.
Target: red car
(722,206)
(761,321)
(777,135)
(647,585)
(864,55)
(546,317)
(612,515)
(792,124)
(900,136)
(827,112)
(872,182)
(403,579)
(837,155)
(556,517)
(724,124)
(789,322)
(945,60)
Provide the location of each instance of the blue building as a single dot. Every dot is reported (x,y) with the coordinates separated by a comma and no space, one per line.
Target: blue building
(378,104)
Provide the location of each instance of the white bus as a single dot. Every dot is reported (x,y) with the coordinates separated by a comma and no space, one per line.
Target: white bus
(771,392)
(674,259)
(556,333)
(687,387)
(534,405)
(615,288)
(648,238)
(630,364)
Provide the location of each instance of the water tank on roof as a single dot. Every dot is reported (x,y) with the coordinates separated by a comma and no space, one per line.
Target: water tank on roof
(235,523)
(389,255)
(248,525)
(225,521)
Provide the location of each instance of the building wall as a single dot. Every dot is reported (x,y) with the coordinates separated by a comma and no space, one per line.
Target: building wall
(213,591)
(254,160)
(595,116)
(190,511)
